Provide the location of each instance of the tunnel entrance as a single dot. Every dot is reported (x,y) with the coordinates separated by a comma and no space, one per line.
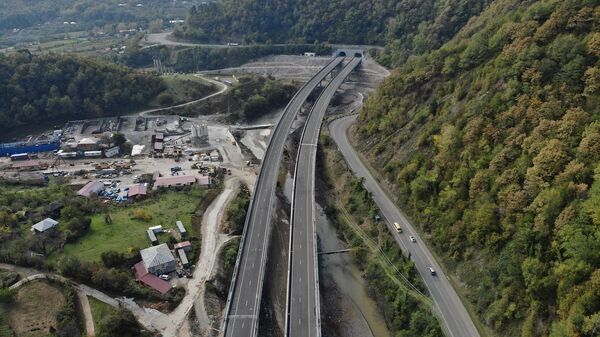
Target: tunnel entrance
(358,55)
(342,54)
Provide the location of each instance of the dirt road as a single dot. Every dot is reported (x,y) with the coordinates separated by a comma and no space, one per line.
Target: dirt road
(224,87)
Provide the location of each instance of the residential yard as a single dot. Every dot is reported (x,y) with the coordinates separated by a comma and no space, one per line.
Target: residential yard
(127,229)
(99,311)
(34,311)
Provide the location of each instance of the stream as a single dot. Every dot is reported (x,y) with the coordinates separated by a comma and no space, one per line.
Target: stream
(347,310)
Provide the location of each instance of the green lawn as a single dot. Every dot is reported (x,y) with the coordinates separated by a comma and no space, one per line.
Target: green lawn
(99,311)
(125,232)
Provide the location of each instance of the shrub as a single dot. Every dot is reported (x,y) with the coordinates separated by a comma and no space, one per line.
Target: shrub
(142,215)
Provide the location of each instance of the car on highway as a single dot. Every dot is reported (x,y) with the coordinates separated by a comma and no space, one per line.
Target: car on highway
(398,228)
(412,239)
(432,271)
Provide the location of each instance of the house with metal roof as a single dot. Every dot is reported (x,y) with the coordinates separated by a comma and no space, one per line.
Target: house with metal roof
(142,275)
(158,259)
(137,191)
(44,225)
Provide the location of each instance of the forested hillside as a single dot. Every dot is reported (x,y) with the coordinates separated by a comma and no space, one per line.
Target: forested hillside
(492,143)
(36,89)
(404,26)
(87,13)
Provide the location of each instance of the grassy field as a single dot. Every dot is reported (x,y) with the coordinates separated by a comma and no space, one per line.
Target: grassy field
(35,308)
(99,310)
(5,330)
(185,87)
(126,233)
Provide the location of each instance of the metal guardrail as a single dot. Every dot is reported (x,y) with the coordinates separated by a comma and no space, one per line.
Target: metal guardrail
(251,209)
(315,253)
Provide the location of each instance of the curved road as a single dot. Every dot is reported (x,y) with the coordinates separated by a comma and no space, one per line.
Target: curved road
(224,87)
(451,310)
(157,39)
(303,307)
(243,303)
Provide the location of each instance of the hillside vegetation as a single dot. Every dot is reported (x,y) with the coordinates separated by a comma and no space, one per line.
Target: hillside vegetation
(492,143)
(405,26)
(87,13)
(36,89)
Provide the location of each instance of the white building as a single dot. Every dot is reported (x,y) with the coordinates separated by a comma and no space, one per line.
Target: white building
(44,225)
(158,259)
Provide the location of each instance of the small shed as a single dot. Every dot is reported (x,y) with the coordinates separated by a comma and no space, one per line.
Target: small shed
(185,245)
(204,181)
(113,151)
(44,225)
(156,229)
(181,229)
(137,150)
(152,237)
(183,258)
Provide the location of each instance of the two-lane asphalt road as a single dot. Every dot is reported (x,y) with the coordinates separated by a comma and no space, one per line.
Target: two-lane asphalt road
(243,303)
(303,311)
(453,313)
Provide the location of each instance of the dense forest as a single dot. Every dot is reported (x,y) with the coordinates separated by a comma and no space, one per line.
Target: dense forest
(405,26)
(492,143)
(36,89)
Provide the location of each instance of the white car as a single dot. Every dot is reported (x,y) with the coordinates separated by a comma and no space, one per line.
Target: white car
(412,239)
(164,277)
(432,271)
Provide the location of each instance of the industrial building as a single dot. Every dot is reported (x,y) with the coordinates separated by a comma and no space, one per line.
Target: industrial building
(87,144)
(158,259)
(199,135)
(174,181)
(92,188)
(28,165)
(8,149)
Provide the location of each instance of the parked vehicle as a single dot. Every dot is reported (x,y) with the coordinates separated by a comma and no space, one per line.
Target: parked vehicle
(164,277)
